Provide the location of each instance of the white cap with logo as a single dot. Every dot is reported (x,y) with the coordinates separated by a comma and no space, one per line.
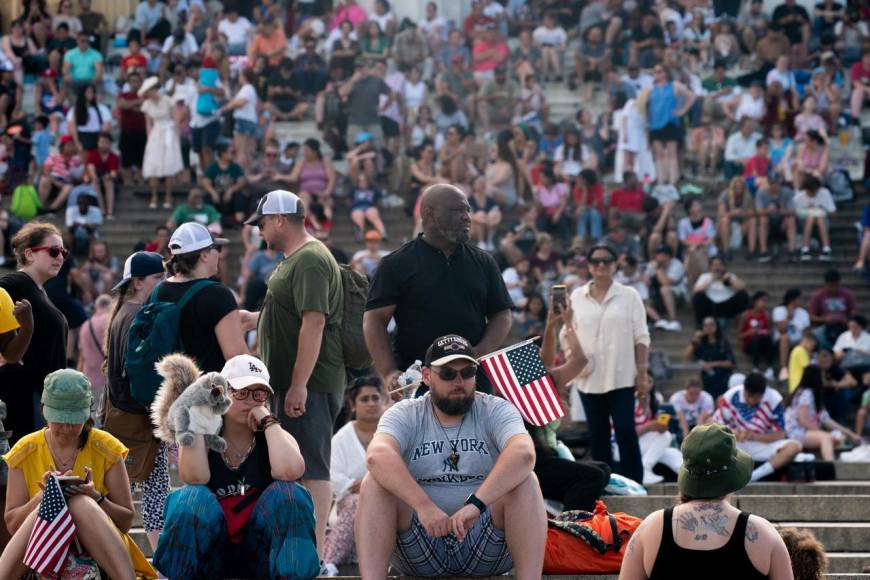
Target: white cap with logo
(277,202)
(244,370)
(191,237)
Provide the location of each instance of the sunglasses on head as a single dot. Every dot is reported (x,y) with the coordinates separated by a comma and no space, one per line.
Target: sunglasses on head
(259,395)
(449,374)
(53,251)
(600,261)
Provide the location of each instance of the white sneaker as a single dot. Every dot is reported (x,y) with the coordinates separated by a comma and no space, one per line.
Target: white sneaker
(783,374)
(650,478)
(328,569)
(662,324)
(804,457)
(674,326)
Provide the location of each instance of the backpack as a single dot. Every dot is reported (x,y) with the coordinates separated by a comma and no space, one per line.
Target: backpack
(840,185)
(580,542)
(355,287)
(25,202)
(154,333)
(659,365)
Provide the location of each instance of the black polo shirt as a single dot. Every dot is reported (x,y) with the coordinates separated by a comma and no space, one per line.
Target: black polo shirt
(435,295)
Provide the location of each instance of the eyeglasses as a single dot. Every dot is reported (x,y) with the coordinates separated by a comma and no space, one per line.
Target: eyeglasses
(53,251)
(271,155)
(449,374)
(259,395)
(369,399)
(601,261)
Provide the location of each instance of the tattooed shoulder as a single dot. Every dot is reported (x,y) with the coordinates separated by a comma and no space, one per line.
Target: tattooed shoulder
(751,532)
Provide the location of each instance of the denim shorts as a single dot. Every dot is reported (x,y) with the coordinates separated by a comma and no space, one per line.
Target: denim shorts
(483,552)
(243,127)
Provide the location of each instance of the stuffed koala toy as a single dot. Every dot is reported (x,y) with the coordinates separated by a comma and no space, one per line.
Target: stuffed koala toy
(187,403)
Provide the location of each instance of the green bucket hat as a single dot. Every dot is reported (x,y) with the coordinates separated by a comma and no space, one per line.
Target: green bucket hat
(713,466)
(67,397)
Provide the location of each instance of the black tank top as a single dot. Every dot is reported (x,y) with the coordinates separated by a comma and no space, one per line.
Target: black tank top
(728,562)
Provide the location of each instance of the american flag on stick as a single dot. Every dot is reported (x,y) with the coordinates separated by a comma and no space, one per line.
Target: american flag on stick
(52,533)
(520,376)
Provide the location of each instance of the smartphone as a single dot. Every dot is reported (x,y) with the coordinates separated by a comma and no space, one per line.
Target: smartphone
(70,480)
(560,298)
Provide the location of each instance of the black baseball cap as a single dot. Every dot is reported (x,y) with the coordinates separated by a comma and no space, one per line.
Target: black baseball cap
(139,265)
(449,348)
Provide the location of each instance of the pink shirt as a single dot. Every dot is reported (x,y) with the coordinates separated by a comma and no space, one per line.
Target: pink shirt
(353,13)
(92,352)
(551,198)
(489,64)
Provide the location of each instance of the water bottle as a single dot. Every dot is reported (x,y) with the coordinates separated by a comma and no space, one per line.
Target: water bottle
(647,183)
(411,379)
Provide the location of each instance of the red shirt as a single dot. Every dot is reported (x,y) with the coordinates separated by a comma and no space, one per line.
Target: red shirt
(627,199)
(501,48)
(859,73)
(757,166)
(134,61)
(103,166)
(594,198)
(131,120)
(758,321)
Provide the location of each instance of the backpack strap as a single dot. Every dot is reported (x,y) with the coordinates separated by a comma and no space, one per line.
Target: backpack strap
(191,292)
(155,292)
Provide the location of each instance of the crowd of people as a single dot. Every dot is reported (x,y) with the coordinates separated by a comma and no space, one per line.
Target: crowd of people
(594,231)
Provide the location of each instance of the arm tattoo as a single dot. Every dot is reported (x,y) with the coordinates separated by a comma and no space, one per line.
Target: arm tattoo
(751,532)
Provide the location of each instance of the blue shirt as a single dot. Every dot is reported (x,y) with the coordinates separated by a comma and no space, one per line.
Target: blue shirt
(83,64)
(662,103)
(41,146)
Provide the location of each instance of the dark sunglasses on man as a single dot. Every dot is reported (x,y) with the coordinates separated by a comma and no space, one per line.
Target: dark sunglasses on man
(600,261)
(449,374)
(53,251)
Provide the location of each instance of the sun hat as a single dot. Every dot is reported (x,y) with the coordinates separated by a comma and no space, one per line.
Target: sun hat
(449,348)
(277,202)
(149,84)
(191,237)
(139,265)
(244,370)
(713,466)
(8,322)
(67,397)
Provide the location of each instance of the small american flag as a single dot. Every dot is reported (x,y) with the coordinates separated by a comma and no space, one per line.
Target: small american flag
(52,534)
(520,376)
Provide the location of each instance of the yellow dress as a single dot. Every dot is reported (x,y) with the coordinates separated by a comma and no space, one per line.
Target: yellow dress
(32,456)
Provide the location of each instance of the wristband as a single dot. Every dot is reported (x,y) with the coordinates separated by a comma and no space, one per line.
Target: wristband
(266,422)
(101,499)
(475,501)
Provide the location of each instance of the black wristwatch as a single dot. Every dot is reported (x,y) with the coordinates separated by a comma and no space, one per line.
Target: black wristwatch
(475,501)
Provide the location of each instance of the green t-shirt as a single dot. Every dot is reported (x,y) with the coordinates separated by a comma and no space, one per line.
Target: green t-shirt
(223,179)
(308,280)
(83,64)
(712,85)
(205,215)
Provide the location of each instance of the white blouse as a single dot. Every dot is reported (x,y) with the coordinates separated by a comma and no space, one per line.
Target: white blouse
(347,462)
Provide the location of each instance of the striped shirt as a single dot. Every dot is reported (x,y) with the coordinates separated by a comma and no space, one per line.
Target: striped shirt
(766,417)
(64,170)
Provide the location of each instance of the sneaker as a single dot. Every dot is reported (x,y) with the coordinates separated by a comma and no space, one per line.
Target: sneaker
(650,478)
(825,256)
(783,374)
(674,326)
(793,256)
(764,257)
(328,570)
(662,324)
(805,255)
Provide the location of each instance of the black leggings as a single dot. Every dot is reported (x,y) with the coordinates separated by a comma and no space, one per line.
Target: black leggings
(760,348)
(729,309)
(576,484)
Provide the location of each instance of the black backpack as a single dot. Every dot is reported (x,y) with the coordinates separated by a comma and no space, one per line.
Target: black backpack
(355,287)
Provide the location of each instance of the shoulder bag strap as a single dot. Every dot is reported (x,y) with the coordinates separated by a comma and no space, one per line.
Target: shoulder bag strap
(94,338)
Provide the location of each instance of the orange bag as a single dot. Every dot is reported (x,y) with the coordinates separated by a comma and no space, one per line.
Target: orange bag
(580,542)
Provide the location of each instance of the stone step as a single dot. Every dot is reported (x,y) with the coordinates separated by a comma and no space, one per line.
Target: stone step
(775,508)
(818,488)
(836,536)
(848,562)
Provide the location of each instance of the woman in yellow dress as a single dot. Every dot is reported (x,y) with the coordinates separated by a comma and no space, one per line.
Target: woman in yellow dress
(101,507)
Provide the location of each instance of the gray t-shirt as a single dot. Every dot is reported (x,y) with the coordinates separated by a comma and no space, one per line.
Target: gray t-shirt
(362,102)
(488,426)
(783,202)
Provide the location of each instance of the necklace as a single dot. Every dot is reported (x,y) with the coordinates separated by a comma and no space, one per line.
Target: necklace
(240,456)
(62,465)
(453,458)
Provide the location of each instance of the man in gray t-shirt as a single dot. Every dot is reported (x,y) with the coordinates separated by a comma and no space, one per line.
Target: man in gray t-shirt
(776,216)
(363,92)
(443,470)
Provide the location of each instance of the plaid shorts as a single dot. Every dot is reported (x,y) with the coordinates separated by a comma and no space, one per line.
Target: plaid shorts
(484,552)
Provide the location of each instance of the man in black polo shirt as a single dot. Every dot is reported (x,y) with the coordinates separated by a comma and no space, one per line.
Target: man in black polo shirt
(435,285)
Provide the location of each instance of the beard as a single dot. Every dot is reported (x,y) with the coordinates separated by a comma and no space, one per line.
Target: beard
(453,407)
(455,233)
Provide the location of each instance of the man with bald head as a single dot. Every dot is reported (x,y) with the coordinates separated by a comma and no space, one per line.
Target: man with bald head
(435,285)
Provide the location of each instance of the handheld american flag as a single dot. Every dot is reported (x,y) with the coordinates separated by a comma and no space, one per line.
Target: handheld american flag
(52,533)
(520,376)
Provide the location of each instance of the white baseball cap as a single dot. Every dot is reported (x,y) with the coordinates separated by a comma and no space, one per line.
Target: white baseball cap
(244,370)
(191,237)
(277,202)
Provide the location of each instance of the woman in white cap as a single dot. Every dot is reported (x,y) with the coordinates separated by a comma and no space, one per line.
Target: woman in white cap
(99,500)
(211,327)
(123,416)
(163,149)
(241,512)
(705,535)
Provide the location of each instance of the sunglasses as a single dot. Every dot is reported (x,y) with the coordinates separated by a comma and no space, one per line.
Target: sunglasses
(259,395)
(53,251)
(601,261)
(449,374)
(369,399)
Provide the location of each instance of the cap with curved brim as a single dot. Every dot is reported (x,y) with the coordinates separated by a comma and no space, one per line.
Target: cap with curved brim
(716,482)
(240,383)
(72,417)
(450,358)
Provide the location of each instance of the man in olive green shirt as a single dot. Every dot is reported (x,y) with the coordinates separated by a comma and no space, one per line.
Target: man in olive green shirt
(299,329)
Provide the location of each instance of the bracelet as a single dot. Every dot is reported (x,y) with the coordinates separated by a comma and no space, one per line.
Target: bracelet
(267,422)
(101,499)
